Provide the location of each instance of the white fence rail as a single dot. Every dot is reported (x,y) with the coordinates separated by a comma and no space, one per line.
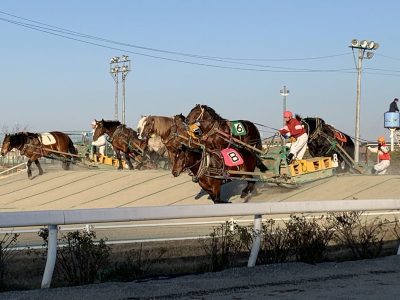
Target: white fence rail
(85,216)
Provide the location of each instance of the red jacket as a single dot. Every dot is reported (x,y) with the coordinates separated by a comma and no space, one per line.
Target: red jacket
(383,152)
(293,126)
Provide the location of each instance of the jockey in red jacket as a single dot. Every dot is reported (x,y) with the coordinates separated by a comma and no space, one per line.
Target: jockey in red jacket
(383,157)
(294,130)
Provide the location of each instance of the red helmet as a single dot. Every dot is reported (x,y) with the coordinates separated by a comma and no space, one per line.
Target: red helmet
(287,114)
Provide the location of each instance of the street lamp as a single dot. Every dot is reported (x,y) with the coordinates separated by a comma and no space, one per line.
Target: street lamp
(362,47)
(284,92)
(120,65)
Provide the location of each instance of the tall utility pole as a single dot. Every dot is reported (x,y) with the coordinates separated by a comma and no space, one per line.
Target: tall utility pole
(114,69)
(362,46)
(126,67)
(284,92)
(120,65)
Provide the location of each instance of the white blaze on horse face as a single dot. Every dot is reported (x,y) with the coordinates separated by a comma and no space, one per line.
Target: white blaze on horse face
(140,126)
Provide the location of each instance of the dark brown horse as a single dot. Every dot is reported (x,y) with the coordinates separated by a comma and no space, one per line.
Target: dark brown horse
(210,170)
(205,124)
(54,144)
(171,130)
(324,139)
(123,139)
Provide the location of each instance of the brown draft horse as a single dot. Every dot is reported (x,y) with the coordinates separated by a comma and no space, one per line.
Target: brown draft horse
(33,146)
(208,121)
(210,169)
(123,139)
(319,145)
(171,130)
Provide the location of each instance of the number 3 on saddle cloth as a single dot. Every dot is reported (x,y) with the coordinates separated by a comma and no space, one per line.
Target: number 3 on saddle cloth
(232,158)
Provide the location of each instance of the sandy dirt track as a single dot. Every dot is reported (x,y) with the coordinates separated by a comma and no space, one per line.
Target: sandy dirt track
(82,188)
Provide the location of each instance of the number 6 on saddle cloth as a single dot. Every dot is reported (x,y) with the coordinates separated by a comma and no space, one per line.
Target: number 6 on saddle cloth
(232,158)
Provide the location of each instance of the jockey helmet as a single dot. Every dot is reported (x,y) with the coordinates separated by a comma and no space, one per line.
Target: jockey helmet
(381,140)
(287,114)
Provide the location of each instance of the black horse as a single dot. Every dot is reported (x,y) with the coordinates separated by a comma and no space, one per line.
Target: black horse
(325,140)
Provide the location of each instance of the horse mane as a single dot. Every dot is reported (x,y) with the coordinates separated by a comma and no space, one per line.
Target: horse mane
(162,125)
(211,111)
(110,123)
(25,134)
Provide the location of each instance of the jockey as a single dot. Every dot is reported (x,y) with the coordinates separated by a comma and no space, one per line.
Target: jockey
(294,130)
(383,157)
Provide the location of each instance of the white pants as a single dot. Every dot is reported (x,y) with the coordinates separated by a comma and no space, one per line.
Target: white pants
(381,167)
(299,147)
(101,143)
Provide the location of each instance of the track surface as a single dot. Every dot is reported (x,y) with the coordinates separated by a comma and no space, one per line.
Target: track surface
(82,188)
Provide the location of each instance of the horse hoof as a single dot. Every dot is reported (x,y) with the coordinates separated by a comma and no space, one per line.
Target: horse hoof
(244,194)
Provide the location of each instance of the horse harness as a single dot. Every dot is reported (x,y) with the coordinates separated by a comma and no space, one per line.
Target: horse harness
(130,140)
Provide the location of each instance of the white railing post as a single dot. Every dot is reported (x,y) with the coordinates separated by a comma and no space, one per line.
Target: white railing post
(51,257)
(256,241)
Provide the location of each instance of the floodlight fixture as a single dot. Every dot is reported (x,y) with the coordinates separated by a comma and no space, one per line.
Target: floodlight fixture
(370,55)
(125,58)
(355,43)
(376,46)
(371,45)
(364,44)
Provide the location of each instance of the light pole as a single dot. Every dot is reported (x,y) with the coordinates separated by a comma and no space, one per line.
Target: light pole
(284,92)
(362,47)
(114,69)
(120,65)
(126,67)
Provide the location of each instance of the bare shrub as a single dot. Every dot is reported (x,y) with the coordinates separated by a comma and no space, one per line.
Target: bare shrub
(275,243)
(6,243)
(225,245)
(134,265)
(365,238)
(80,260)
(308,238)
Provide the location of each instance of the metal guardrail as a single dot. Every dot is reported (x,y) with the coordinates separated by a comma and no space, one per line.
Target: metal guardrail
(105,215)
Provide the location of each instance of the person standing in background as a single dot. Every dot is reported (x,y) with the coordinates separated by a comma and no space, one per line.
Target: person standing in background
(393,106)
(383,157)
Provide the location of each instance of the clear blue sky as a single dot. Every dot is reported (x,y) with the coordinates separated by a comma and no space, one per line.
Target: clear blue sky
(50,82)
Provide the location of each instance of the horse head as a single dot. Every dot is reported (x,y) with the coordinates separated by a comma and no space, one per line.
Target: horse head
(6,146)
(140,126)
(146,127)
(185,158)
(99,129)
(201,119)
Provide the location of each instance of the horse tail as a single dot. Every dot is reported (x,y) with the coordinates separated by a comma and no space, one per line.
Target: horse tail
(72,148)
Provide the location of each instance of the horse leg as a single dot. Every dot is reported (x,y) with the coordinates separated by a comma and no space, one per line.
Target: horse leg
(248,189)
(120,166)
(37,163)
(29,170)
(65,164)
(128,161)
(216,192)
